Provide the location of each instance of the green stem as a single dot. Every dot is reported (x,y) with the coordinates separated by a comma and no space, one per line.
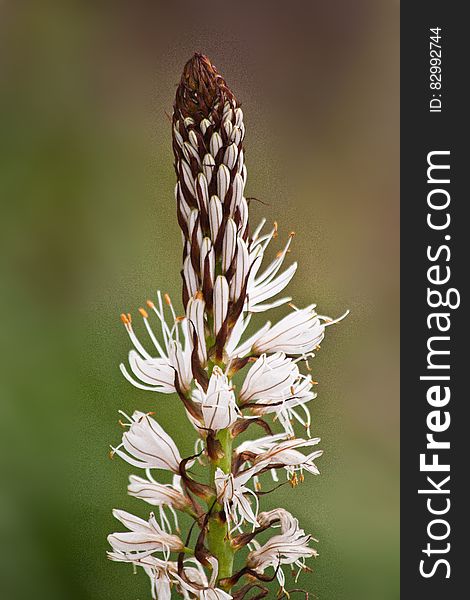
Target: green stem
(218,534)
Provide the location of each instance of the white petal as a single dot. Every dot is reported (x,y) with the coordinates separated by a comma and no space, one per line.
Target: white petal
(190,276)
(178,136)
(241,270)
(229,244)
(221,298)
(223,181)
(195,315)
(268,290)
(193,223)
(231,156)
(204,124)
(238,117)
(190,152)
(193,139)
(237,196)
(215,144)
(207,250)
(208,166)
(188,177)
(202,192)
(215,216)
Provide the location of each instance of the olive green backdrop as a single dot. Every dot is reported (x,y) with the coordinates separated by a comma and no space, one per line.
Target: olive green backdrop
(89,229)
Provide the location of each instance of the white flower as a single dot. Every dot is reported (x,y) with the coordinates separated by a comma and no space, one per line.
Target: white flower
(261,444)
(275,385)
(219,409)
(269,380)
(158,494)
(157,570)
(231,490)
(294,406)
(143,537)
(198,585)
(160,583)
(298,333)
(288,547)
(157,373)
(148,446)
(264,286)
(285,454)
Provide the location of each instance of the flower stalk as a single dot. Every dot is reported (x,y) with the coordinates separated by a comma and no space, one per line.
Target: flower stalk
(218,535)
(195,357)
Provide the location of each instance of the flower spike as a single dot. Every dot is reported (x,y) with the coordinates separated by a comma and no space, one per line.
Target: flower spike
(225,379)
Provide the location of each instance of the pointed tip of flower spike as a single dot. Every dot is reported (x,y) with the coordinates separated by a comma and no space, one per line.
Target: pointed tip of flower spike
(144,313)
(201,88)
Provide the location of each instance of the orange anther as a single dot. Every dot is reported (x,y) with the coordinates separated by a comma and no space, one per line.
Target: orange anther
(124,319)
(167,299)
(150,304)
(144,313)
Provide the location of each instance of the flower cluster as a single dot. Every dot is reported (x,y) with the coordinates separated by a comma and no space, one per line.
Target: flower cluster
(225,380)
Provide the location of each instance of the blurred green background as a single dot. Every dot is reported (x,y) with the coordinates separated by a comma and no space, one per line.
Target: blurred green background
(89,230)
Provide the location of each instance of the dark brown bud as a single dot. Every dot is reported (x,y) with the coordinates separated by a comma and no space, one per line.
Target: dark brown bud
(202,92)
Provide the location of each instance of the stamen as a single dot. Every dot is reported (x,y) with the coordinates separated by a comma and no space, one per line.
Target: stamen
(121,412)
(144,313)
